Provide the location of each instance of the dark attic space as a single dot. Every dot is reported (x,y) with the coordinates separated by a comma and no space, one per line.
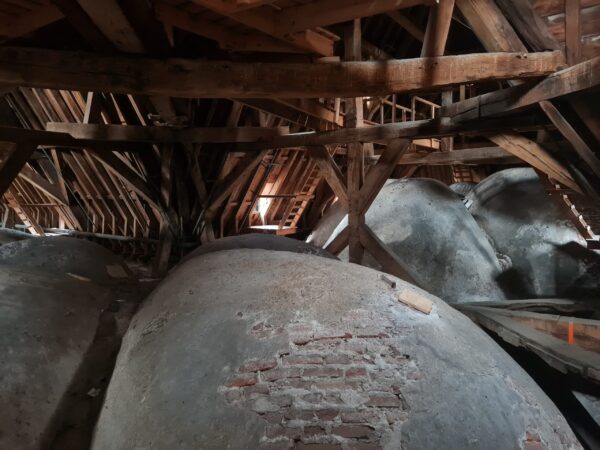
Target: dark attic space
(300,224)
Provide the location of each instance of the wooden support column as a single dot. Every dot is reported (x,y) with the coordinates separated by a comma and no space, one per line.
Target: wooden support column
(573,31)
(354,119)
(165,243)
(434,44)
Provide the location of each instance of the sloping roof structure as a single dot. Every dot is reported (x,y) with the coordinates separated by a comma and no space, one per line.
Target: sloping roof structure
(151,125)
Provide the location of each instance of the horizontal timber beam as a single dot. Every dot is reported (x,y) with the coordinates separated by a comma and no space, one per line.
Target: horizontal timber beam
(585,75)
(55,69)
(165,135)
(483,155)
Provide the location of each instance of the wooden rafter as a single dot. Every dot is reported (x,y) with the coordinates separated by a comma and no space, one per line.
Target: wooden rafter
(181,78)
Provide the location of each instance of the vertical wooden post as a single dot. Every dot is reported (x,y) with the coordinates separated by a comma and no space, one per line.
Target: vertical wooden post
(354,119)
(573,31)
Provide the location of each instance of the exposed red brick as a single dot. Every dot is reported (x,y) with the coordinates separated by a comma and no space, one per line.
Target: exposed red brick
(256,365)
(319,336)
(280,373)
(281,400)
(338,359)
(353,431)
(242,380)
(333,397)
(299,414)
(367,416)
(533,445)
(301,339)
(327,414)
(303,359)
(371,334)
(337,385)
(325,371)
(384,400)
(314,431)
(356,372)
(295,383)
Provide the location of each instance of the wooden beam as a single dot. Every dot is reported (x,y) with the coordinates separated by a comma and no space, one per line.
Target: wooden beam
(160,264)
(29,221)
(340,242)
(573,31)
(266,22)
(35,179)
(585,75)
(438,26)
(238,176)
(578,144)
(407,24)
(383,254)
(38,17)
(225,37)
(356,150)
(329,12)
(483,155)
(380,172)
(165,135)
(331,172)
(189,78)
(536,156)
(13,158)
(524,18)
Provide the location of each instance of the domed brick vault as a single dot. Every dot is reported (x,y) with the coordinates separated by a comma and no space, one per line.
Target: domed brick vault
(252,348)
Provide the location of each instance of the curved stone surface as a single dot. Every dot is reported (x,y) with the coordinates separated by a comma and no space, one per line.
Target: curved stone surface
(48,321)
(437,240)
(61,255)
(258,241)
(8,235)
(263,349)
(547,255)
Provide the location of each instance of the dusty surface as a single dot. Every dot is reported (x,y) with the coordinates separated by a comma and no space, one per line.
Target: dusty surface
(58,333)
(439,243)
(261,349)
(8,235)
(547,255)
(259,241)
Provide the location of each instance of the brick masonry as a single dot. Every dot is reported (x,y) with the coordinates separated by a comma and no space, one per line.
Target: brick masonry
(338,386)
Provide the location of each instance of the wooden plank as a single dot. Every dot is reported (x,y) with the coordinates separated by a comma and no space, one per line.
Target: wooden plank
(483,155)
(226,38)
(267,22)
(585,75)
(330,172)
(415,300)
(532,28)
(573,31)
(38,17)
(239,175)
(438,26)
(536,156)
(380,172)
(383,254)
(407,24)
(551,7)
(29,221)
(189,78)
(565,128)
(35,179)
(355,150)
(160,264)
(329,12)
(13,158)
(165,134)
(340,242)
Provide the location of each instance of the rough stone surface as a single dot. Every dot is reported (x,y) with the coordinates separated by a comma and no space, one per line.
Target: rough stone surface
(439,243)
(274,350)
(260,241)
(65,255)
(48,321)
(547,255)
(8,235)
